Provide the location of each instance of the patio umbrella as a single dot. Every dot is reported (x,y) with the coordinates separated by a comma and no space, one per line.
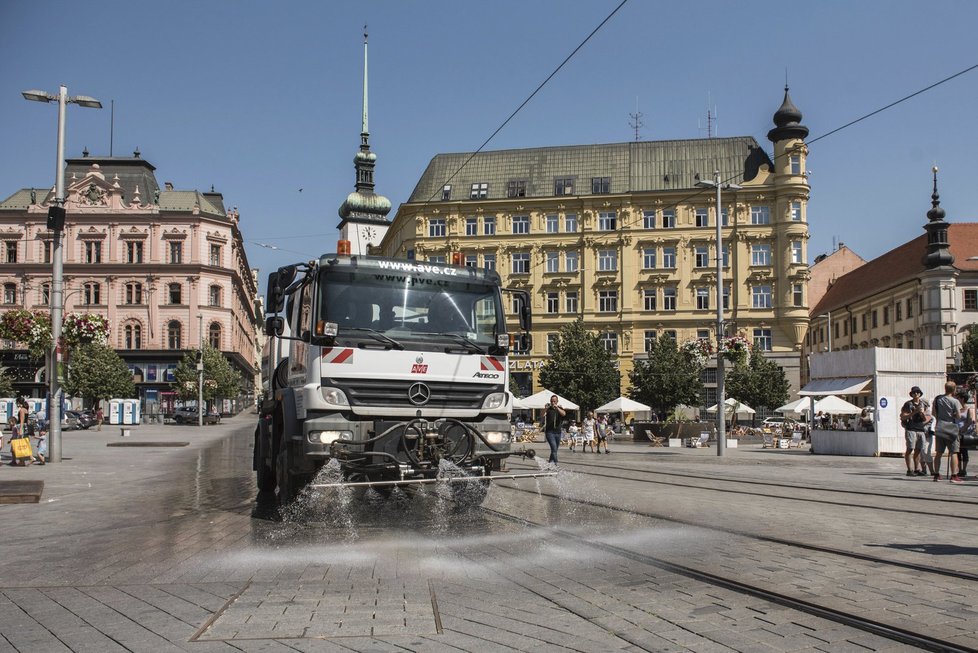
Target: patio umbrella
(622,405)
(542,400)
(732,405)
(797,406)
(834,405)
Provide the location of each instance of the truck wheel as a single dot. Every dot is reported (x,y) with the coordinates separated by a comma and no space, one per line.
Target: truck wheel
(266,477)
(286,482)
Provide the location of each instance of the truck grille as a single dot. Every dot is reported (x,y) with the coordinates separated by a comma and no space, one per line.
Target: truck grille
(443,394)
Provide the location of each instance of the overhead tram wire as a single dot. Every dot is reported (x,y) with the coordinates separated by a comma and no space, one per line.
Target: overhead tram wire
(527,100)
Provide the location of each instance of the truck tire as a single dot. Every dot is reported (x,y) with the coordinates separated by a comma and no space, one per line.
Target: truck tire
(286,481)
(264,472)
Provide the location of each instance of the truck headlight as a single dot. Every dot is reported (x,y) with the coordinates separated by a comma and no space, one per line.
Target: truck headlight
(497,437)
(335,396)
(495,400)
(327,437)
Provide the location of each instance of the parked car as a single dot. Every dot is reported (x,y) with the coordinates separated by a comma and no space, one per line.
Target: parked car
(70,421)
(188,415)
(84,418)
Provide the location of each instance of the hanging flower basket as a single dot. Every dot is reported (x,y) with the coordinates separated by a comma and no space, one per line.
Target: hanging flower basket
(698,351)
(31,328)
(83,328)
(736,349)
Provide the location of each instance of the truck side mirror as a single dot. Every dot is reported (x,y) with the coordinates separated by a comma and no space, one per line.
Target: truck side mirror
(526,315)
(274,325)
(275,299)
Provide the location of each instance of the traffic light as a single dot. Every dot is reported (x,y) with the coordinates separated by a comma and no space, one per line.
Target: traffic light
(56,218)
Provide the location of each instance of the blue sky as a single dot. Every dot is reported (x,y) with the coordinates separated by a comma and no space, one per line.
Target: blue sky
(261,99)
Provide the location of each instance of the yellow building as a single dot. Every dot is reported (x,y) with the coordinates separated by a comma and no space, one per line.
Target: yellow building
(621,236)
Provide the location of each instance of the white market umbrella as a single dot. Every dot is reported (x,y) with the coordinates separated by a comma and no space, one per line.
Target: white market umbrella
(542,400)
(623,405)
(797,406)
(518,404)
(732,405)
(834,405)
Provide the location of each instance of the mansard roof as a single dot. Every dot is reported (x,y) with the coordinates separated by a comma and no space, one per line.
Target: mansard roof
(633,167)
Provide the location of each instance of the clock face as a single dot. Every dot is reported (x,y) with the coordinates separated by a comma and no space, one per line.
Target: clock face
(369,233)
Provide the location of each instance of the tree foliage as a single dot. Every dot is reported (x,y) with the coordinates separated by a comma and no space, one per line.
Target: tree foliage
(97,372)
(667,378)
(6,385)
(580,368)
(761,382)
(969,350)
(220,379)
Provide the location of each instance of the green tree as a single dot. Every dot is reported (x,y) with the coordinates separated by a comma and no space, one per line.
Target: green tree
(759,382)
(97,372)
(220,379)
(6,385)
(580,368)
(667,378)
(969,350)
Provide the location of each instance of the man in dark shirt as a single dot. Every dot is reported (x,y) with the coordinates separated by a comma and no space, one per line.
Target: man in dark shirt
(551,426)
(915,418)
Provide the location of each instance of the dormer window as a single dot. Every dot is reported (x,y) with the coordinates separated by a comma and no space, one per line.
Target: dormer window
(479,191)
(516,188)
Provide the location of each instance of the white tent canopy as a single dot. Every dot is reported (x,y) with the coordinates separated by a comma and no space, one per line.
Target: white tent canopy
(542,400)
(730,406)
(622,405)
(836,406)
(797,406)
(519,404)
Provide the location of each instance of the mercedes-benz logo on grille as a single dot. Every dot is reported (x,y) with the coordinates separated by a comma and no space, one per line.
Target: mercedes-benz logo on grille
(419,394)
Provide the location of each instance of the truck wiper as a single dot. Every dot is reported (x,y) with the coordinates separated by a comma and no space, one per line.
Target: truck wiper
(463,340)
(377,335)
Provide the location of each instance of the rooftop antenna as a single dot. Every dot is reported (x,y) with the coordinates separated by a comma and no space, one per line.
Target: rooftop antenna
(636,120)
(711,118)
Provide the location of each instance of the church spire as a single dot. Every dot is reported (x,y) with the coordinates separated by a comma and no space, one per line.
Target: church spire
(938,254)
(364,205)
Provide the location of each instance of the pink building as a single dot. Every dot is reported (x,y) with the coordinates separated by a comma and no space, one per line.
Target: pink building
(166,267)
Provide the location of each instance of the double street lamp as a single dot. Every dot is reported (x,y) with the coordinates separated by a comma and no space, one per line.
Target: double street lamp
(721,400)
(56,223)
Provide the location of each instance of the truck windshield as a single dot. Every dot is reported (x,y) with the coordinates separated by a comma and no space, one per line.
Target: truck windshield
(450,311)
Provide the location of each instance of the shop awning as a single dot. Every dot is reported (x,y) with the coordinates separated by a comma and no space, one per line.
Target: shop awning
(838,386)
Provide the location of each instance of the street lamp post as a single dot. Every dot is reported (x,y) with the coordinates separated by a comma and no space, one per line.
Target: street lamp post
(721,399)
(56,223)
(200,370)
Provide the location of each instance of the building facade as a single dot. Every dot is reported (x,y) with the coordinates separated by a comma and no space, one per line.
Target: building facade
(166,267)
(621,236)
(920,295)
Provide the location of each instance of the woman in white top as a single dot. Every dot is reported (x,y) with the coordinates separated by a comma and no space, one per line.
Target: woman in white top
(588,432)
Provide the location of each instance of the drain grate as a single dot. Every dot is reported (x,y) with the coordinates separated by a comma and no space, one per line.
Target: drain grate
(294,610)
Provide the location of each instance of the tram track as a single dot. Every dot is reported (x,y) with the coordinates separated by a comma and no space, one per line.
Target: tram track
(873,626)
(807,546)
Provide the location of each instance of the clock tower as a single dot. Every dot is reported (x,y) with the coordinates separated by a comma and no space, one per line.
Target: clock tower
(363,216)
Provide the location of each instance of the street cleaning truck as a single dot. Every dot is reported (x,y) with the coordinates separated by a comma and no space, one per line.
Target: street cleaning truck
(396,369)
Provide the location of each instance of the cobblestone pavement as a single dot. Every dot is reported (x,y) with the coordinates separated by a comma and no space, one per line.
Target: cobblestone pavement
(167,549)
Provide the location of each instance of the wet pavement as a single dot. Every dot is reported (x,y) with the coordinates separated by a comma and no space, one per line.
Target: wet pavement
(172,548)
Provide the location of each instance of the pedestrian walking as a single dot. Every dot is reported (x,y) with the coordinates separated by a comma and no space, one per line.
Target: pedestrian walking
(601,429)
(967,430)
(99,417)
(915,418)
(588,432)
(21,430)
(551,426)
(947,412)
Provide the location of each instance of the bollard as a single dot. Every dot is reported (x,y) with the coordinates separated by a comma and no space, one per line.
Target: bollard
(124,432)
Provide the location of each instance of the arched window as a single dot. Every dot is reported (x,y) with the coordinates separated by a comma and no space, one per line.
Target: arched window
(173,334)
(214,335)
(133,336)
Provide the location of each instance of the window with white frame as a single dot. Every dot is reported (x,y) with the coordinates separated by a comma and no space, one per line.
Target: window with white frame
(553,261)
(648,258)
(796,254)
(607,301)
(571,302)
(669,298)
(572,260)
(760,296)
(446,192)
(648,299)
(669,219)
(703,334)
(760,215)
(726,298)
(702,298)
(607,260)
(796,211)
(489,261)
(93,251)
(553,302)
(92,293)
(471,226)
(553,224)
(607,221)
(726,255)
(648,219)
(436,228)
(701,218)
(517,304)
(521,224)
(970,301)
(609,340)
(701,256)
(521,263)
(794,162)
(649,340)
(564,186)
(762,339)
(760,254)
(9,293)
(440,259)
(489,225)
(669,257)
(570,223)
(725,217)
(670,333)
(479,191)
(471,261)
